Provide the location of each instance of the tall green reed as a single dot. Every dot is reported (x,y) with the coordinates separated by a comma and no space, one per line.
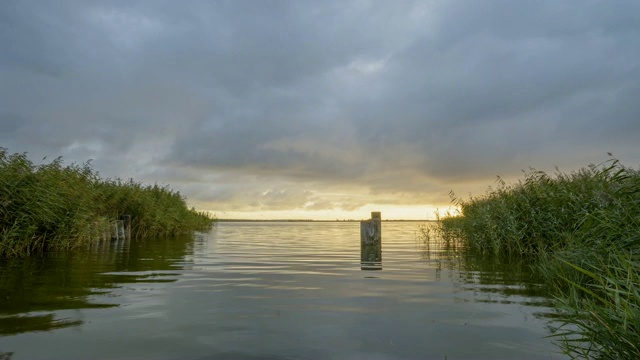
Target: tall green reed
(54,207)
(601,314)
(582,232)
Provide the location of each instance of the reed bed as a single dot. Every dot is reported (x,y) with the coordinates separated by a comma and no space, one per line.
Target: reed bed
(581,231)
(55,207)
(601,315)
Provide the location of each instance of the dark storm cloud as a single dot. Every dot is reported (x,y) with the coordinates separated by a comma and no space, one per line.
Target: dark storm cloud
(271,104)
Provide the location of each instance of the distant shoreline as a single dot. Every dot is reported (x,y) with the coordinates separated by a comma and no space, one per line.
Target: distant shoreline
(311,220)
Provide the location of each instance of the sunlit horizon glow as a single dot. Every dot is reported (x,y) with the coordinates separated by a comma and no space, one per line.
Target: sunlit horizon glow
(389,212)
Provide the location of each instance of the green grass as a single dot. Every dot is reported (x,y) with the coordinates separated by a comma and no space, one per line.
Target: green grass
(53,207)
(582,232)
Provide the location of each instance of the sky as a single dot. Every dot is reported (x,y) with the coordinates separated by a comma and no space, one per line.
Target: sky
(321,109)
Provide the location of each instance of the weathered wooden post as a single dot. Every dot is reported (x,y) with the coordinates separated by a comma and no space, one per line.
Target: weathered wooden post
(126,219)
(114,230)
(118,230)
(371,243)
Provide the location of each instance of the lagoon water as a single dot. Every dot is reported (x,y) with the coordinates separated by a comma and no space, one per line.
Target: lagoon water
(272,290)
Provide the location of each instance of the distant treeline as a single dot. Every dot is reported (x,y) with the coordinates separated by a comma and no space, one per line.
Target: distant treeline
(581,231)
(54,207)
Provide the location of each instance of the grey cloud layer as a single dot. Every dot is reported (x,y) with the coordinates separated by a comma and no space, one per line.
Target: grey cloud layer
(270,104)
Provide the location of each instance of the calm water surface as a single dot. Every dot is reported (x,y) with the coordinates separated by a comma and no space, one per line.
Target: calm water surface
(271,291)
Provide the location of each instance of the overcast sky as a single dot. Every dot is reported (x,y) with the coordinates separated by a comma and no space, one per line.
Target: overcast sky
(321,109)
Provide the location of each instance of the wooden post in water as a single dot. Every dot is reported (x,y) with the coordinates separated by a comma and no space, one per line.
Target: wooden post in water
(114,230)
(371,242)
(117,230)
(126,219)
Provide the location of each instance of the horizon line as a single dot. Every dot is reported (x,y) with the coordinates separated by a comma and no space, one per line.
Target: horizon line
(318,220)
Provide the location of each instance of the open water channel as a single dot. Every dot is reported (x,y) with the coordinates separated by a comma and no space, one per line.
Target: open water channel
(272,290)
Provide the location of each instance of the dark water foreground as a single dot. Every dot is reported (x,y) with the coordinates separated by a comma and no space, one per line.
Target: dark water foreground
(271,291)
